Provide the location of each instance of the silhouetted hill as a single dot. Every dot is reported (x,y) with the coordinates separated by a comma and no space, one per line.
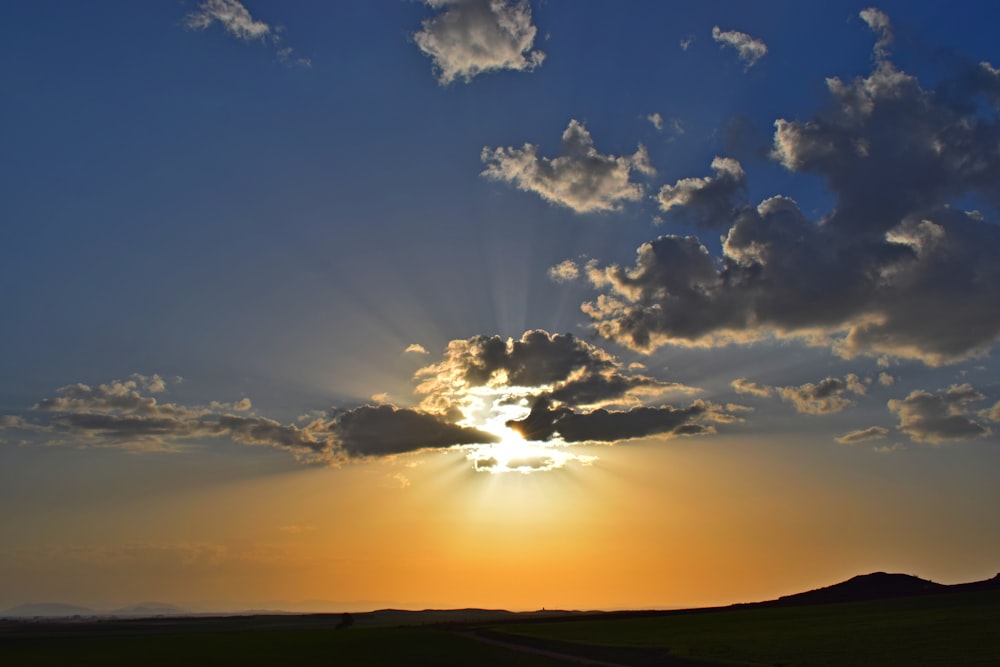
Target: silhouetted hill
(880,585)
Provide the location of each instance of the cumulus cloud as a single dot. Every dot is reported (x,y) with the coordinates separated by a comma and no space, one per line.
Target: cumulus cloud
(937,418)
(861,280)
(576,392)
(656,119)
(863,435)
(470,37)
(712,201)
(749,49)
(559,367)
(581,178)
(564,271)
(415,348)
(825,397)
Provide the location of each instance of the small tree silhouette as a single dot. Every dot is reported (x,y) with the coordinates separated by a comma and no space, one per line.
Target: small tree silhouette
(346,621)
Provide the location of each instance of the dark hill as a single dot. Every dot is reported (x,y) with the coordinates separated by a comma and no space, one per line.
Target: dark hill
(875,586)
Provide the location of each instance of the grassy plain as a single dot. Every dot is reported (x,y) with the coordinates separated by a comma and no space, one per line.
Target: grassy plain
(203,645)
(949,629)
(946,629)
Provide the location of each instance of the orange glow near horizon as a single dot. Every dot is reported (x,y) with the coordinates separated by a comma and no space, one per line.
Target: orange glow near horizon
(651,524)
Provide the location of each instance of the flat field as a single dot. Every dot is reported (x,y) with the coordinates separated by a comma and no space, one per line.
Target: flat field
(210,642)
(948,629)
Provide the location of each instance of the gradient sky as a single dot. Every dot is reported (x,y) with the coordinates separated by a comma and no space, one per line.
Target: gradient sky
(330,305)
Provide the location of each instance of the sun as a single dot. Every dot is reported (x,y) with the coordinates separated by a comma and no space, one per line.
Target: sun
(490,409)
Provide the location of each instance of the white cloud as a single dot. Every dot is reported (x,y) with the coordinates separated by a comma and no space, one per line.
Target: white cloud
(750,50)
(474,36)
(565,271)
(238,22)
(879,22)
(415,348)
(233,16)
(580,178)
(656,119)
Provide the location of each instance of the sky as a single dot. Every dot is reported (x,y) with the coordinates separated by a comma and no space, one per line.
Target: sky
(493,303)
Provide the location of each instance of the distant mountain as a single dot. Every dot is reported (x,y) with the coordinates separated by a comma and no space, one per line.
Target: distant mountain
(148,609)
(54,609)
(60,610)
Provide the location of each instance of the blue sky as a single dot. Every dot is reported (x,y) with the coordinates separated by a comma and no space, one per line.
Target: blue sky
(326,230)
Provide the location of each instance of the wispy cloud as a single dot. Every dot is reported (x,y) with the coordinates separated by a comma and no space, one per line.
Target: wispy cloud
(581,178)
(231,15)
(749,49)
(236,20)
(470,37)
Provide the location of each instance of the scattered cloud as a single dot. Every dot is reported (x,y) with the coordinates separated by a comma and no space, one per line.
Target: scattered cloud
(687,42)
(656,119)
(940,417)
(745,386)
(749,49)
(863,435)
(558,367)
(712,201)
(545,422)
(238,22)
(470,37)
(564,271)
(232,15)
(885,379)
(556,388)
(484,390)
(826,397)
(122,414)
(580,178)
(862,279)
(416,348)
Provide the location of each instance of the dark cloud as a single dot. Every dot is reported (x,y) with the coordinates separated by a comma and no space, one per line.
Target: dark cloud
(122,414)
(863,435)
(935,418)
(385,430)
(581,178)
(545,422)
(864,278)
(711,201)
(561,367)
